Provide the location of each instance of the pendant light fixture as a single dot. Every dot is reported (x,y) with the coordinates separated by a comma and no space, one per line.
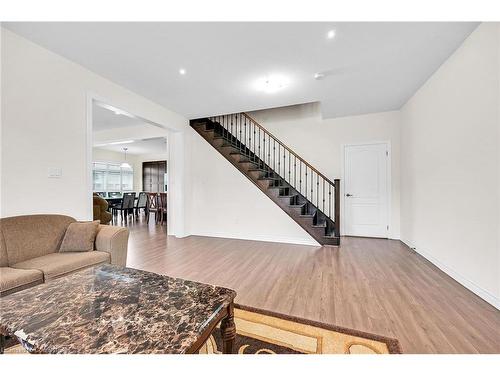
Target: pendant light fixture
(125,164)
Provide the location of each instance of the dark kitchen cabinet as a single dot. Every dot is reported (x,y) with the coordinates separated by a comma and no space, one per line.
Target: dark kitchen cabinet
(154,176)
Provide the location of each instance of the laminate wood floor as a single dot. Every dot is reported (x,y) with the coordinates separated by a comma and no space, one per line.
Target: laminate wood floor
(373,285)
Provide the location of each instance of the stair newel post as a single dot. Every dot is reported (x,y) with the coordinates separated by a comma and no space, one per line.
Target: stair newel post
(337,207)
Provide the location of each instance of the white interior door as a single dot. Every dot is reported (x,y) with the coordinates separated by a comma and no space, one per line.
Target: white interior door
(366,190)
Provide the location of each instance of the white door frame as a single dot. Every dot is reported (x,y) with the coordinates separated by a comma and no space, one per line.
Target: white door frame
(91,99)
(389,182)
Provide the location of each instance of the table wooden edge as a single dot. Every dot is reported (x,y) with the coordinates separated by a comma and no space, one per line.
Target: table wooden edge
(225,313)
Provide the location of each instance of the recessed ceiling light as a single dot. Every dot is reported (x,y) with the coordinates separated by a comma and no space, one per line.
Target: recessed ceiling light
(331,34)
(272,83)
(319,76)
(182,71)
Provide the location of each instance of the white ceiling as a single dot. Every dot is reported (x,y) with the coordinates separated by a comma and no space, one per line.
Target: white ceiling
(104,119)
(140,147)
(372,66)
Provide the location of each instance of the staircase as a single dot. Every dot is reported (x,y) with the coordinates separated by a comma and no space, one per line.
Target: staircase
(307,196)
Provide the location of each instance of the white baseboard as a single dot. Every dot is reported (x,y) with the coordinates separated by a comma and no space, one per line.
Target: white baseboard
(473,287)
(280,239)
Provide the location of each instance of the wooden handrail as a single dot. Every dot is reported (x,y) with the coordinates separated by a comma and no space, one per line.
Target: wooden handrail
(288,149)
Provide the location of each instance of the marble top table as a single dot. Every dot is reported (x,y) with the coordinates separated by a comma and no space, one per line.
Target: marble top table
(111,309)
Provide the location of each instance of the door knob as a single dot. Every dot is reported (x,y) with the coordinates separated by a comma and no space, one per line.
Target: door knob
(348,195)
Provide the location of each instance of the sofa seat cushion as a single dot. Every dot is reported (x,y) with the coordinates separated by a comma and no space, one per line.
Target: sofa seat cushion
(13,280)
(59,264)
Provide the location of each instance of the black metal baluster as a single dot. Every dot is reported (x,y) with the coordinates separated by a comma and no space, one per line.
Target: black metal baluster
(274,154)
(317,190)
(260,156)
(241,146)
(279,159)
(330,200)
(306,181)
(300,177)
(294,171)
(254,138)
(232,142)
(284,163)
(323,194)
(289,173)
(312,187)
(268,151)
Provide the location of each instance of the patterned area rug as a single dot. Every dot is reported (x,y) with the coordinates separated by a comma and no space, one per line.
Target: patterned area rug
(264,332)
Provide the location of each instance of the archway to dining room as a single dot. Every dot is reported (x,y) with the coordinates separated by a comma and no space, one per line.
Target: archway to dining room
(128,163)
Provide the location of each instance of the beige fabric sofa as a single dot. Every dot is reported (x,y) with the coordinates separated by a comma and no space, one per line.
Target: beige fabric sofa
(29,250)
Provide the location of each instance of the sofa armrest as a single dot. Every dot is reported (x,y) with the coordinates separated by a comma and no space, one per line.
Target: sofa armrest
(113,240)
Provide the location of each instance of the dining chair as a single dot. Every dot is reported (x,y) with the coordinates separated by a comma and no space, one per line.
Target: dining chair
(152,206)
(125,207)
(162,206)
(142,202)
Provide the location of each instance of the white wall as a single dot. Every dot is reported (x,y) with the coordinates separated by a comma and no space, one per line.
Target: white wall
(1,116)
(320,141)
(450,165)
(45,108)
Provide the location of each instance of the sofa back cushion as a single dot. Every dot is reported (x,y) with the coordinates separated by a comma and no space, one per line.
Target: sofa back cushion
(31,236)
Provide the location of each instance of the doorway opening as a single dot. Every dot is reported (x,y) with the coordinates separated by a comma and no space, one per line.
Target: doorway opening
(125,192)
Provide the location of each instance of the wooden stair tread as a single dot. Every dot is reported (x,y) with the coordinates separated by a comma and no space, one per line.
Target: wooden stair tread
(322,225)
(270,178)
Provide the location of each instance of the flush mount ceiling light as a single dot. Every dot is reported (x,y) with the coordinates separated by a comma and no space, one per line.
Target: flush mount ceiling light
(330,34)
(182,71)
(272,83)
(319,76)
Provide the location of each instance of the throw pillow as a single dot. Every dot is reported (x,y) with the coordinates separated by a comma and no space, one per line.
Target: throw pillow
(80,236)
